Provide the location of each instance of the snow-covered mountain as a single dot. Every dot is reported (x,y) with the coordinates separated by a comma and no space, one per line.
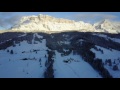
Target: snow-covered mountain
(59,55)
(80,50)
(107,26)
(45,23)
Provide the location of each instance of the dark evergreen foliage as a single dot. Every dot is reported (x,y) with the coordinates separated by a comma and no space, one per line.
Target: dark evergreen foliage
(115,67)
(11,52)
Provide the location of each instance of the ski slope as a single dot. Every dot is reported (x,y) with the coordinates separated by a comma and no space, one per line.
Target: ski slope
(77,68)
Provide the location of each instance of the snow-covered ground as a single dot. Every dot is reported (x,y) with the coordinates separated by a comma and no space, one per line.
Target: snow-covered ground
(77,68)
(108,54)
(70,66)
(12,65)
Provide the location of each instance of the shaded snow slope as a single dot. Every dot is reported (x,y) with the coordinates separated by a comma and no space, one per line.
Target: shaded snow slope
(76,68)
(64,55)
(112,55)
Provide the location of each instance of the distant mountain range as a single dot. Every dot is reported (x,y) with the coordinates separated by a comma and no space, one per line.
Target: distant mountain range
(45,23)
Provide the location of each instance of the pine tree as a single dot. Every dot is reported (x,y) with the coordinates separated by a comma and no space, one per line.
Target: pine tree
(40,61)
(45,56)
(110,62)
(114,61)
(115,67)
(11,52)
(7,50)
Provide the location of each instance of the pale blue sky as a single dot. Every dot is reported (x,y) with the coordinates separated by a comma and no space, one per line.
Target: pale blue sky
(7,19)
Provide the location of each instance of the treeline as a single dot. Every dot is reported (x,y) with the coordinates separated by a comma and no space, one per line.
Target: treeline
(87,55)
(14,39)
(9,35)
(100,41)
(49,73)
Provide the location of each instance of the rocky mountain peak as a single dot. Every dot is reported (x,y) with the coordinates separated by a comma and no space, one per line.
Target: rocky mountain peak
(45,23)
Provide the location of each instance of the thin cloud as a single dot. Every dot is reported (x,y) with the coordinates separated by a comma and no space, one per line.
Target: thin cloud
(7,19)
(89,16)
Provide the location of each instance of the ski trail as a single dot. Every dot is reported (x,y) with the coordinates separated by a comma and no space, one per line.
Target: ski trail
(73,71)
